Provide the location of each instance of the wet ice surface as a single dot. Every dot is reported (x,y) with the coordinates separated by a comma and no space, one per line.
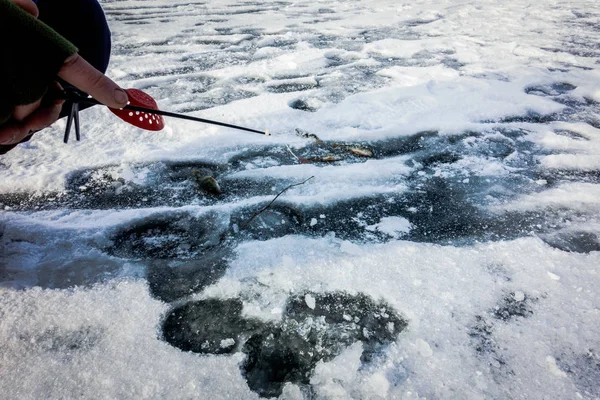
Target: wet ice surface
(446,244)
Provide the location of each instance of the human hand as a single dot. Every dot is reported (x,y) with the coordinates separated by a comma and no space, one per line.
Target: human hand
(76,71)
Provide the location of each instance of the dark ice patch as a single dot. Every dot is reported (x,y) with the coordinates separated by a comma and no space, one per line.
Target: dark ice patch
(77,271)
(170,280)
(557,176)
(240,12)
(160,183)
(576,109)
(573,241)
(322,41)
(223,30)
(554,89)
(137,22)
(168,236)
(407,144)
(290,87)
(530,117)
(316,327)
(278,220)
(211,326)
(510,308)
(442,201)
(250,31)
(303,105)
(335,60)
(246,80)
(443,212)
(278,41)
(356,317)
(421,21)
(452,63)
(440,158)
(570,134)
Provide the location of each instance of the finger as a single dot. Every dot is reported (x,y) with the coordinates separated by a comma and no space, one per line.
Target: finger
(82,75)
(21,112)
(12,132)
(29,6)
(15,131)
(43,116)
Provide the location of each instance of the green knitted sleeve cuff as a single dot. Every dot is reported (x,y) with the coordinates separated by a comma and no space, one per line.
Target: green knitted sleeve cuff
(32,54)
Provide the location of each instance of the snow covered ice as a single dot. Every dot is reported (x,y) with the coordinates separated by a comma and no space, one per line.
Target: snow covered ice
(459,260)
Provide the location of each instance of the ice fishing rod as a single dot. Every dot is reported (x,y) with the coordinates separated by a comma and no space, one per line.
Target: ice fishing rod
(141,111)
(190,118)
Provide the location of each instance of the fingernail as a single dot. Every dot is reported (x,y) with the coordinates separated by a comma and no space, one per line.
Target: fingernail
(120,96)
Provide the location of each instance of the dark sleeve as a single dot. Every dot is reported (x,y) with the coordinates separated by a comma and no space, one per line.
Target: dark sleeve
(32,54)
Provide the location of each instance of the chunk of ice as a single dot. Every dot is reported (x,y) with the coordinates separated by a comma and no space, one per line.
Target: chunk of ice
(310,301)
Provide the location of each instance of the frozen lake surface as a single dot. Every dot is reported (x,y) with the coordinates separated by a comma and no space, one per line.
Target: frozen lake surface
(441,239)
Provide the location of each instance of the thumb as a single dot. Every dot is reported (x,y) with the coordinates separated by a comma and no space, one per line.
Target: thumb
(83,76)
(29,6)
